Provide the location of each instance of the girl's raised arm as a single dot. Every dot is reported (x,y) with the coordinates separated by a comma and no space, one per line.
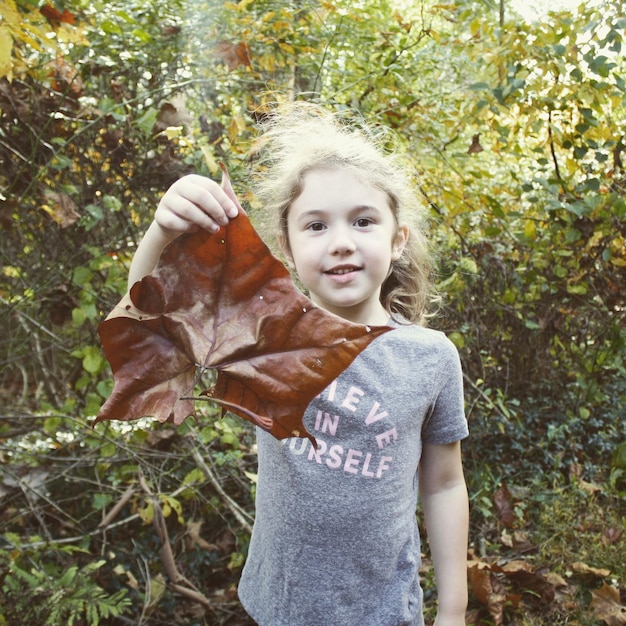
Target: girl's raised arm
(191,203)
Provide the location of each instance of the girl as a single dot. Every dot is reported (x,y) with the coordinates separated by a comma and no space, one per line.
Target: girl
(335,539)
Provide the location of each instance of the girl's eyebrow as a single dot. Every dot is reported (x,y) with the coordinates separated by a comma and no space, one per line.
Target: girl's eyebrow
(361,208)
(366,207)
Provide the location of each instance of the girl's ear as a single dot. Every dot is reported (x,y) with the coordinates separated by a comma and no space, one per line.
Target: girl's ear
(399,242)
(284,246)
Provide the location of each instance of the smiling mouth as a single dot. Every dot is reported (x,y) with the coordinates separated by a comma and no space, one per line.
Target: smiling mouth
(340,271)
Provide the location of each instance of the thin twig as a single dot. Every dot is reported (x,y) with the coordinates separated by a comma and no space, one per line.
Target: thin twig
(119,505)
(93,533)
(484,396)
(242,517)
(62,343)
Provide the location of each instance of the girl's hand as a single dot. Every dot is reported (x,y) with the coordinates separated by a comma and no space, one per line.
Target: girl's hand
(191,203)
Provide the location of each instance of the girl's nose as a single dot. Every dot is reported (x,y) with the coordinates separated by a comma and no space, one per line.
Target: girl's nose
(341,241)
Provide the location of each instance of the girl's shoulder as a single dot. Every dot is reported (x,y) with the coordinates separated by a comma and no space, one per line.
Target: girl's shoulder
(416,331)
(420,339)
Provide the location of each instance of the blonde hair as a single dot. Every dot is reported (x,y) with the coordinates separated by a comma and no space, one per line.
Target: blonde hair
(300,137)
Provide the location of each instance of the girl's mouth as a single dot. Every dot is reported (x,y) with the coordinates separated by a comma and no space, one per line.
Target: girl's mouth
(340,271)
(343,275)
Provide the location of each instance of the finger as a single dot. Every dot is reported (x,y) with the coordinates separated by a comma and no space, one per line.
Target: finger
(181,214)
(206,193)
(174,216)
(195,200)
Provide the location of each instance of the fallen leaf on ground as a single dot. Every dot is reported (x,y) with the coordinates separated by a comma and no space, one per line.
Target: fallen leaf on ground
(606,606)
(587,570)
(490,591)
(503,502)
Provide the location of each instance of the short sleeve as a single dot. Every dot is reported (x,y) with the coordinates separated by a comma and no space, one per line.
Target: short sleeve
(446,421)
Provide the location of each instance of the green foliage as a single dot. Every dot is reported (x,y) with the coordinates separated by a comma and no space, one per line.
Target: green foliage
(539,218)
(41,592)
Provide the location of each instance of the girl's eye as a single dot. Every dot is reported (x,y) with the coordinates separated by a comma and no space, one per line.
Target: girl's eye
(316,226)
(364,222)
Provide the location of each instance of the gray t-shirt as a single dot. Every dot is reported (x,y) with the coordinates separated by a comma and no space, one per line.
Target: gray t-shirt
(335,538)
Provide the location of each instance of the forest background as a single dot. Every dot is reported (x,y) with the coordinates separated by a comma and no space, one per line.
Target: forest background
(515,131)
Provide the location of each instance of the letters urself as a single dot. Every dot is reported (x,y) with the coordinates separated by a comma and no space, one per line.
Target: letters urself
(336,457)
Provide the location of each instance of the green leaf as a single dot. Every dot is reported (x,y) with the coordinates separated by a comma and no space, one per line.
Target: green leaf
(143,36)
(104,388)
(193,477)
(578,289)
(146,122)
(82,276)
(101,500)
(93,362)
(111,28)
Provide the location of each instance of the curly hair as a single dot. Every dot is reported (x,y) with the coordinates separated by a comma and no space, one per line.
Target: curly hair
(300,137)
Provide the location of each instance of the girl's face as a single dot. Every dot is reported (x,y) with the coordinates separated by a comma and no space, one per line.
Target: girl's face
(342,238)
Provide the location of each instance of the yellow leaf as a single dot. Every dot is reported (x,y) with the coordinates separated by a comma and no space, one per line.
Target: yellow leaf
(589,488)
(155,590)
(6,47)
(170,504)
(35,36)
(147,513)
(70,34)
(9,12)
(33,43)
(210,161)
(236,126)
(285,47)
(251,476)
(173,132)
(131,581)
(530,230)
(555,580)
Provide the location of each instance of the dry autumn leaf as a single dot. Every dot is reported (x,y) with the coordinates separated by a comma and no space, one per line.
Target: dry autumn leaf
(55,17)
(489,590)
(224,302)
(503,502)
(193,537)
(503,585)
(233,54)
(611,536)
(587,570)
(528,579)
(61,208)
(606,606)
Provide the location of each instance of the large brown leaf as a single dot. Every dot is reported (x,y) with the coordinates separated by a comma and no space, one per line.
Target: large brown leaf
(223,301)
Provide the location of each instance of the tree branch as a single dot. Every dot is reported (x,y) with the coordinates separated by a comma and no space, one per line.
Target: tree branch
(178,582)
